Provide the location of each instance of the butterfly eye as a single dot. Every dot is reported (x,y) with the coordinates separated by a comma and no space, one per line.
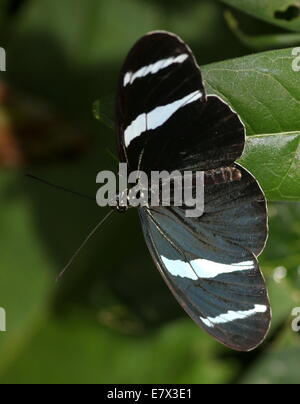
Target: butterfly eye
(121,209)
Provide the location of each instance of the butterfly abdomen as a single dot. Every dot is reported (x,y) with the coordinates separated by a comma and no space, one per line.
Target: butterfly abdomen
(222,175)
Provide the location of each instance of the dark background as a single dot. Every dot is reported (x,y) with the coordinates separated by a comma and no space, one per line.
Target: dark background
(110,319)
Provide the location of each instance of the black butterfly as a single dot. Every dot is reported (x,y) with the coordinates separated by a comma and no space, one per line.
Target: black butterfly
(167,122)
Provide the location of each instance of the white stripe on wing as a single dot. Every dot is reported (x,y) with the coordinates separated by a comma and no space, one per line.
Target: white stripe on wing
(233,316)
(157,117)
(154,68)
(203,269)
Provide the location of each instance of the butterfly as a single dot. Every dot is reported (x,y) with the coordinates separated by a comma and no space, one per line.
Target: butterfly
(166,121)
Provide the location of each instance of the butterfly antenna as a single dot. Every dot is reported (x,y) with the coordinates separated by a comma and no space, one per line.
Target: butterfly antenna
(33,177)
(75,255)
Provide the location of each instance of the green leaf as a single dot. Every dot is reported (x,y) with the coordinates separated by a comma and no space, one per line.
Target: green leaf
(284,13)
(263,89)
(265,92)
(275,161)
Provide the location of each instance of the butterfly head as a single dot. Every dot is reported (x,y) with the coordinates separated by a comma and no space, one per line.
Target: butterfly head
(121,207)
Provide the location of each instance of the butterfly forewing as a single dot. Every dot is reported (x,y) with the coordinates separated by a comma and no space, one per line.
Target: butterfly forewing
(198,137)
(164,113)
(159,77)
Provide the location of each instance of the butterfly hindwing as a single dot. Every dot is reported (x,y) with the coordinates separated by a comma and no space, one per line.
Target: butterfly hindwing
(209,263)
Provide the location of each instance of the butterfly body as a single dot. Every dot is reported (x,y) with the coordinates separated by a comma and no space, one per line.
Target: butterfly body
(166,121)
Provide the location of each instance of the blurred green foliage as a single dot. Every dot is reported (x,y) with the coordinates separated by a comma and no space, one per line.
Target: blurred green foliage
(111,319)
(284,13)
